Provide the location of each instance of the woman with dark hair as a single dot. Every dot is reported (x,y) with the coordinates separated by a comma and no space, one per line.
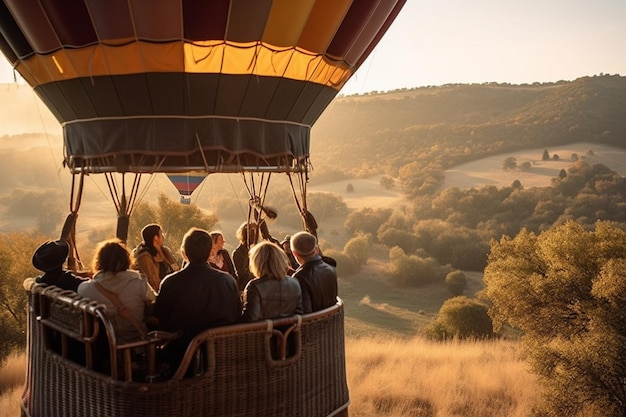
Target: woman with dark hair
(152,258)
(219,257)
(124,292)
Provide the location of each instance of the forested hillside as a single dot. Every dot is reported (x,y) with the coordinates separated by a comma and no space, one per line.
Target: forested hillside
(417,133)
(409,136)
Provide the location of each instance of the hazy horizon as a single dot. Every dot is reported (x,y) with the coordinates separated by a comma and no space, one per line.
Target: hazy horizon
(454,41)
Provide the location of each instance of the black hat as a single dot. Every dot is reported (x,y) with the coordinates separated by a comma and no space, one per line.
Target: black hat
(51,255)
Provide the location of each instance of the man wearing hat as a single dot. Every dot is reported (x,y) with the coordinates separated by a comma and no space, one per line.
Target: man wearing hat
(286,245)
(318,279)
(49,258)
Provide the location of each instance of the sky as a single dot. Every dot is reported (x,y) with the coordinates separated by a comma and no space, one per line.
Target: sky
(506,41)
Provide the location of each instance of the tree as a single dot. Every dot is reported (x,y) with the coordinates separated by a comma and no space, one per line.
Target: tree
(546,155)
(345,264)
(414,271)
(509,163)
(16,250)
(175,219)
(28,204)
(367,220)
(387,182)
(358,249)
(456,282)
(398,237)
(462,317)
(566,290)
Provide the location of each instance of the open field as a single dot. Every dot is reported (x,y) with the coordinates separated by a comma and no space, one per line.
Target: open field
(392,377)
(488,171)
(392,372)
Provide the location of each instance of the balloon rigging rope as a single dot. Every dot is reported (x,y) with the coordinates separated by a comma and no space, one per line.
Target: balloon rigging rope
(200,187)
(45,130)
(232,186)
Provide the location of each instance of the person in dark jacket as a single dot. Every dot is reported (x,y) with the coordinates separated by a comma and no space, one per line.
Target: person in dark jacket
(247,236)
(49,258)
(286,245)
(317,278)
(273,293)
(197,297)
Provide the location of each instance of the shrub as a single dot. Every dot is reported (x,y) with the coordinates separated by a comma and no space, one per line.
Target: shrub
(387,182)
(345,265)
(367,220)
(413,270)
(456,282)
(358,249)
(462,317)
(509,163)
(398,237)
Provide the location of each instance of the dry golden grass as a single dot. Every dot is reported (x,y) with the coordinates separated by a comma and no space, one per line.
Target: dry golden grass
(12,375)
(403,378)
(419,378)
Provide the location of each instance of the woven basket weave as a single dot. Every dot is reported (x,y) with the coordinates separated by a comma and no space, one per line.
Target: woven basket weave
(285,367)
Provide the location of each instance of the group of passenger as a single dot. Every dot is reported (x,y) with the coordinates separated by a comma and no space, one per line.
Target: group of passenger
(146,290)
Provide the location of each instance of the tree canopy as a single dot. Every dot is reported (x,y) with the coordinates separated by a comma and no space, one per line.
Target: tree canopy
(566,290)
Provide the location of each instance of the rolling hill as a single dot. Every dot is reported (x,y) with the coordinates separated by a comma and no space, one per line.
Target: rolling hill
(441,127)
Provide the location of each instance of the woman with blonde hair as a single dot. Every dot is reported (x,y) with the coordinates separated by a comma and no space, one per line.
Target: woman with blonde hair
(272,293)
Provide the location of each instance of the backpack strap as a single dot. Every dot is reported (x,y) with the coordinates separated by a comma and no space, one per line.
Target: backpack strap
(121,308)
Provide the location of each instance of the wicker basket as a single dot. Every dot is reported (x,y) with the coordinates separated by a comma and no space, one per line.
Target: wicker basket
(285,367)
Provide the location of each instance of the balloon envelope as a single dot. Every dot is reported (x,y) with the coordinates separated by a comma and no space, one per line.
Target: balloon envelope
(179,85)
(186,184)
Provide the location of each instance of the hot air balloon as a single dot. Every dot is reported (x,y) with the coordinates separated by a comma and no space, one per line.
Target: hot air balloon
(186,184)
(176,86)
(172,86)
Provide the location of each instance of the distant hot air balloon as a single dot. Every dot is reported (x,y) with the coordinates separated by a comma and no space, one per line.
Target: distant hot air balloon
(190,85)
(186,184)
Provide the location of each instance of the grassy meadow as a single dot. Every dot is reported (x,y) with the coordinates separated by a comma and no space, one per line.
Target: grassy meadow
(420,378)
(398,377)
(391,370)
(12,376)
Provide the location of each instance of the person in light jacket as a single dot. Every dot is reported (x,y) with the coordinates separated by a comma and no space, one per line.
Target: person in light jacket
(111,265)
(152,258)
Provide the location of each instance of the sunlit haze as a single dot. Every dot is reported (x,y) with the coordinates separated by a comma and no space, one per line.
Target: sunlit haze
(458,41)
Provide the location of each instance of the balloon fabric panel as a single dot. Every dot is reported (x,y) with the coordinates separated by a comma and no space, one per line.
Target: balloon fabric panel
(219,86)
